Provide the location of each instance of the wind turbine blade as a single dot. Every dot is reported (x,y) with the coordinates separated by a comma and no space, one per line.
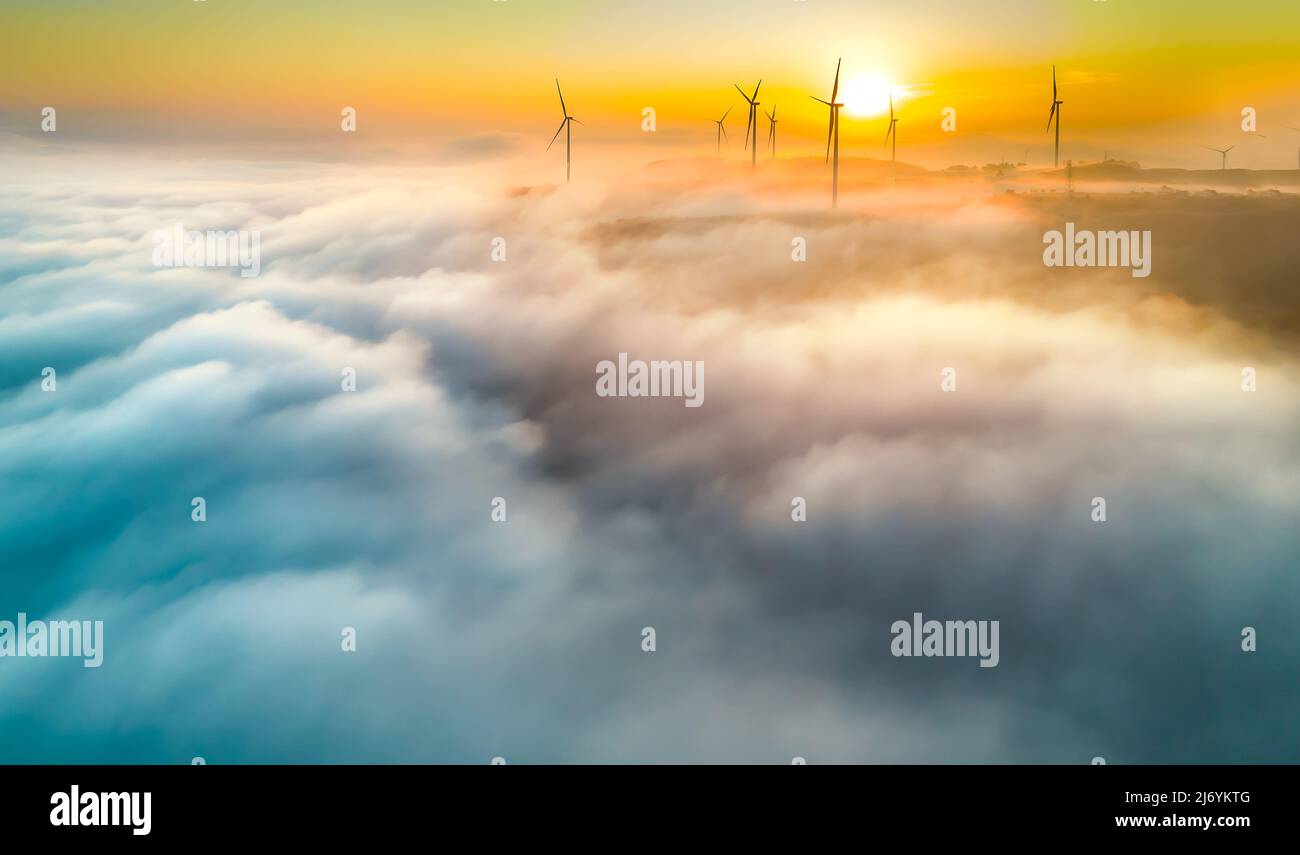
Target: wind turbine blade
(724,130)
(830,129)
(571,119)
(1053,82)
(815,98)
(1050,114)
(742,92)
(724,115)
(891,108)
(889,131)
(760,83)
(1228,149)
(749,122)
(835,91)
(557,135)
(561,94)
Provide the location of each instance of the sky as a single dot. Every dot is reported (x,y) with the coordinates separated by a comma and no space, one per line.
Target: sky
(1156,79)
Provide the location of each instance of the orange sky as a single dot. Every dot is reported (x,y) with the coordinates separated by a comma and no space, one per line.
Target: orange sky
(1151,76)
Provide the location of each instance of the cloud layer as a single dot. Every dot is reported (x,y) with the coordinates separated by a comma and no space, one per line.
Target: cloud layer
(475,379)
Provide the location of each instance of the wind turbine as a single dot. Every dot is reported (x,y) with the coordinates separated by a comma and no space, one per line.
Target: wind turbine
(566,126)
(1224,153)
(1055,111)
(834,131)
(893,131)
(1289,128)
(722,132)
(771,130)
(752,127)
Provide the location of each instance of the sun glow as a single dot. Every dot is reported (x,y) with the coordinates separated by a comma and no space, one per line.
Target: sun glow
(868,95)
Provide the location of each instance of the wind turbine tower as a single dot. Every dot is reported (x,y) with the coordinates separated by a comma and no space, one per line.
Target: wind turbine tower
(1223,152)
(771,131)
(722,132)
(833,132)
(566,125)
(751,129)
(1055,113)
(893,131)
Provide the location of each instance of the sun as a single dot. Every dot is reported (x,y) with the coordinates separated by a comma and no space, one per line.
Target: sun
(867,95)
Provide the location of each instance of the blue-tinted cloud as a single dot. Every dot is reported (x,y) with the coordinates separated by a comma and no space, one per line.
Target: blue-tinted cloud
(371,509)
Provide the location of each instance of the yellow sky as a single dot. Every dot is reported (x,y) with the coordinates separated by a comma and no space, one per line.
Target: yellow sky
(457,67)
